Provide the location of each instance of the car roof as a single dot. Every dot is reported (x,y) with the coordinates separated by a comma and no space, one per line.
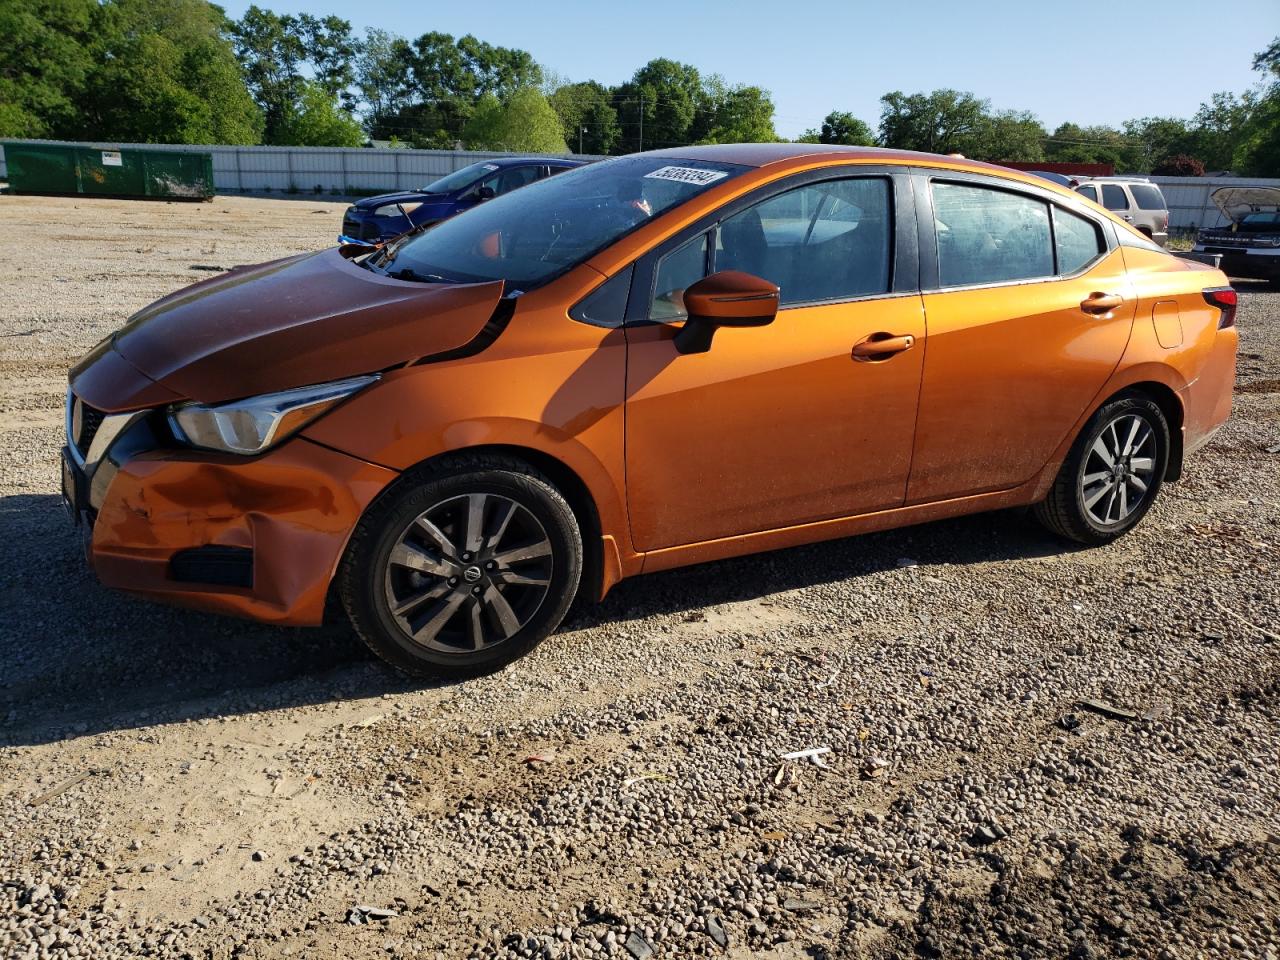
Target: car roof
(521,161)
(764,154)
(1115,180)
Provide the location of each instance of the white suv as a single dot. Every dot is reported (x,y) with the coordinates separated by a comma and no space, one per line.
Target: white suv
(1135,199)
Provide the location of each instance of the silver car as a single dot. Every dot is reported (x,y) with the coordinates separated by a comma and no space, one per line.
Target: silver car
(1135,199)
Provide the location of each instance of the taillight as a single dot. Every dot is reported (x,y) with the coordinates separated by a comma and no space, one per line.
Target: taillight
(1224,298)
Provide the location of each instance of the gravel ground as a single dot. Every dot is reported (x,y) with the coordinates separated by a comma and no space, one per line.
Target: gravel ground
(174,784)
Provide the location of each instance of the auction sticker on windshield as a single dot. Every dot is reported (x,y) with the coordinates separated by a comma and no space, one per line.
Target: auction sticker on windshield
(699,178)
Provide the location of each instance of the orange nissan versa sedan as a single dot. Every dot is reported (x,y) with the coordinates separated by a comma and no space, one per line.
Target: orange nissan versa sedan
(651,361)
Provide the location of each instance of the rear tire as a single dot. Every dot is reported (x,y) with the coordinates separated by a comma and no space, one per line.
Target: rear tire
(462,567)
(1112,474)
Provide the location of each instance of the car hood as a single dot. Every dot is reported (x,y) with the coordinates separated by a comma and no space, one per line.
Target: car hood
(294,322)
(1235,202)
(406,196)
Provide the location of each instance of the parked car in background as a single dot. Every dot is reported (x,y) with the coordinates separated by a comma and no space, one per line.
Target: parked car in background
(455,434)
(378,219)
(1134,200)
(1250,243)
(1061,179)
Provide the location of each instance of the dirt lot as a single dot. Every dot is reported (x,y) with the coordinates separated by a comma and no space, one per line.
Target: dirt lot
(173,784)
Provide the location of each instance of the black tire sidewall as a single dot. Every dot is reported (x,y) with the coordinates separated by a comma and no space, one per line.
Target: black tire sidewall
(363,592)
(1155,418)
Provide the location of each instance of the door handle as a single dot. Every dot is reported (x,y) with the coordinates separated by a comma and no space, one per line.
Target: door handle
(882,346)
(1101,304)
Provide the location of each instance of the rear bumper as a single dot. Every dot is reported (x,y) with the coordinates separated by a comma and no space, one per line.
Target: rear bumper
(1246,264)
(259,538)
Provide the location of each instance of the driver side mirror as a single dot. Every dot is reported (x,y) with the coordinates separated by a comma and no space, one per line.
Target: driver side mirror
(729,298)
(485,193)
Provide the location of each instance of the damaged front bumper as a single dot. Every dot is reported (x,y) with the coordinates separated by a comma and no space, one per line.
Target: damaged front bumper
(258,537)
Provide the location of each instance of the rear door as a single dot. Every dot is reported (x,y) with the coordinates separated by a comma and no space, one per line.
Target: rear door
(1029,311)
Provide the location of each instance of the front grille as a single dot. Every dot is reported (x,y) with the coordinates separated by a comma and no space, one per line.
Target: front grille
(1238,239)
(85,422)
(360,229)
(213,565)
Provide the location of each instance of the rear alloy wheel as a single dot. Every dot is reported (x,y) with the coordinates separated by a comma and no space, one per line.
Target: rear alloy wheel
(1112,474)
(1119,469)
(459,573)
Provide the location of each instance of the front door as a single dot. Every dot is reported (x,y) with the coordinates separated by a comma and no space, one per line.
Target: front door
(803,420)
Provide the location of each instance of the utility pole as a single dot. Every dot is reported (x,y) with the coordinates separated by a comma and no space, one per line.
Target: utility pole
(641,123)
(581,131)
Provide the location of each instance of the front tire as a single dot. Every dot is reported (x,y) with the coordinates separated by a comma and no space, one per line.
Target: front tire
(1112,475)
(462,567)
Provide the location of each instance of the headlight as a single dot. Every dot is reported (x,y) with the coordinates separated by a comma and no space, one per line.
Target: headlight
(255,424)
(393,209)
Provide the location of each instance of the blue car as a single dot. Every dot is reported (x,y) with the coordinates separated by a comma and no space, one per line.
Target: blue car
(377,219)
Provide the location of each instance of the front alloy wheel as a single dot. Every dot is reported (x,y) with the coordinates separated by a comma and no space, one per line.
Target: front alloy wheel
(468,572)
(462,566)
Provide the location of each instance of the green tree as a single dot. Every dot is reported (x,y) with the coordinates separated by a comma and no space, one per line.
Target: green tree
(446,80)
(524,123)
(165,72)
(43,64)
(1006,135)
(843,128)
(1221,125)
(331,50)
(1257,151)
(587,116)
(1157,139)
(384,76)
(1072,143)
(317,120)
(938,122)
(656,107)
(272,53)
(725,114)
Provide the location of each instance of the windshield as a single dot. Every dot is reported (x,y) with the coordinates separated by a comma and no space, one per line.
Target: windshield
(531,235)
(460,178)
(1265,217)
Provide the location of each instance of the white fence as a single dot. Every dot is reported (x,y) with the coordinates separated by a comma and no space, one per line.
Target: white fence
(1188,198)
(357,170)
(313,169)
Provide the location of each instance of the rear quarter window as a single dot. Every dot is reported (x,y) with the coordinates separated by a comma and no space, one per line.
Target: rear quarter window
(1147,197)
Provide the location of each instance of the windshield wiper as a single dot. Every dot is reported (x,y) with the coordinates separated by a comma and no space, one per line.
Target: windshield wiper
(408,273)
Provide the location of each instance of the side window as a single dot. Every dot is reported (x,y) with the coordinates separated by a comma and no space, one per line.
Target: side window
(676,271)
(1113,197)
(990,236)
(1147,196)
(606,305)
(1088,190)
(1079,241)
(825,241)
(515,178)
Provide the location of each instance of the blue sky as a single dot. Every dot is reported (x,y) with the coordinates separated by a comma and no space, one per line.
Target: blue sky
(1080,60)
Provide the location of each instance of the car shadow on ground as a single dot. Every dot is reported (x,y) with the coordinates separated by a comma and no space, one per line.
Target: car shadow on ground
(77,659)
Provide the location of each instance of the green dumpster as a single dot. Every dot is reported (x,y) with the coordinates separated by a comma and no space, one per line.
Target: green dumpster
(125,172)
